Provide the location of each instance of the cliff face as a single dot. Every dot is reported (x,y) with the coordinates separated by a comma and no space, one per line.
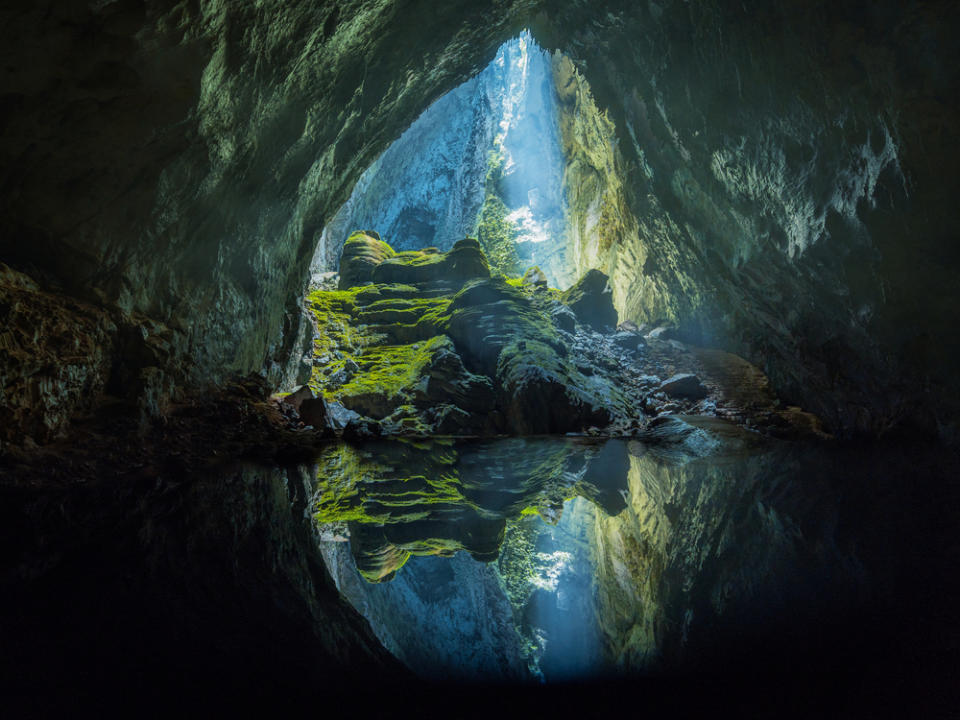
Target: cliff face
(427,188)
(601,231)
(178,162)
(787,167)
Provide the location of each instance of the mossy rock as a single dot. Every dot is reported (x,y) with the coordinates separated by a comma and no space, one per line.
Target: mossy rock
(387,377)
(488,314)
(406,320)
(448,382)
(463,262)
(591,300)
(535,277)
(362,252)
(372,293)
(540,393)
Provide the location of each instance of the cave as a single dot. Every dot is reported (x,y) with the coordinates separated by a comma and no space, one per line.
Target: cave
(511,356)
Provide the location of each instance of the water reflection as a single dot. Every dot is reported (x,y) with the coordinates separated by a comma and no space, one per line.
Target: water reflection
(823,567)
(586,558)
(396,499)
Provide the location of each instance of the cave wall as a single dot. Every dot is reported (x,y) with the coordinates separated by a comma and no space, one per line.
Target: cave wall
(177,160)
(427,188)
(788,167)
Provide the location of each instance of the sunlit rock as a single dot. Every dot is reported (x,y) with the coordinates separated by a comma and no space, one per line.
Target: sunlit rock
(361,254)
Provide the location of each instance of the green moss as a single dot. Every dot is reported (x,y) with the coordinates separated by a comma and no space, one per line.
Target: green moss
(462,262)
(407,320)
(388,374)
(362,253)
(383,291)
(358,486)
(332,313)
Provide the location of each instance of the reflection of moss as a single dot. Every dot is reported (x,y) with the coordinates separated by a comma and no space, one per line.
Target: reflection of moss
(399,484)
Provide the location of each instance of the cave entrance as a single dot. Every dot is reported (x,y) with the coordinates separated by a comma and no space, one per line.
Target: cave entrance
(486,160)
(456,292)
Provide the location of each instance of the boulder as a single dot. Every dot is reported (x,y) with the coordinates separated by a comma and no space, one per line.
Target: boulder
(563,317)
(452,420)
(295,398)
(629,341)
(339,416)
(447,381)
(591,300)
(663,332)
(539,393)
(535,277)
(362,429)
(313,411)
(684,385)
(362,252)
(487,314)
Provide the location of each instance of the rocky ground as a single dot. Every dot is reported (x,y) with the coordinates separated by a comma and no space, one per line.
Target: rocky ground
(424,342)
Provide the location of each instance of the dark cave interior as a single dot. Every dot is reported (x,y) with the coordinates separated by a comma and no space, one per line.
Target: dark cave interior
(287,417)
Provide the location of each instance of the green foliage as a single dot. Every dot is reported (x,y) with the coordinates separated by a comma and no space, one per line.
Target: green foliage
(498,237)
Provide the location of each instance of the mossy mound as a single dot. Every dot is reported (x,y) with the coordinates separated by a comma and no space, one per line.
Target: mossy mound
(431,343)
(464,261)
(362,252)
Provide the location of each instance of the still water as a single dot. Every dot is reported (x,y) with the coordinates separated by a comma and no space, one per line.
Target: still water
(556,559)
(534,561)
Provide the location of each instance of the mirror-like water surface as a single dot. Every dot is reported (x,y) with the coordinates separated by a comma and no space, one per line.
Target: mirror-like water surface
(534,561)
(547,559)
